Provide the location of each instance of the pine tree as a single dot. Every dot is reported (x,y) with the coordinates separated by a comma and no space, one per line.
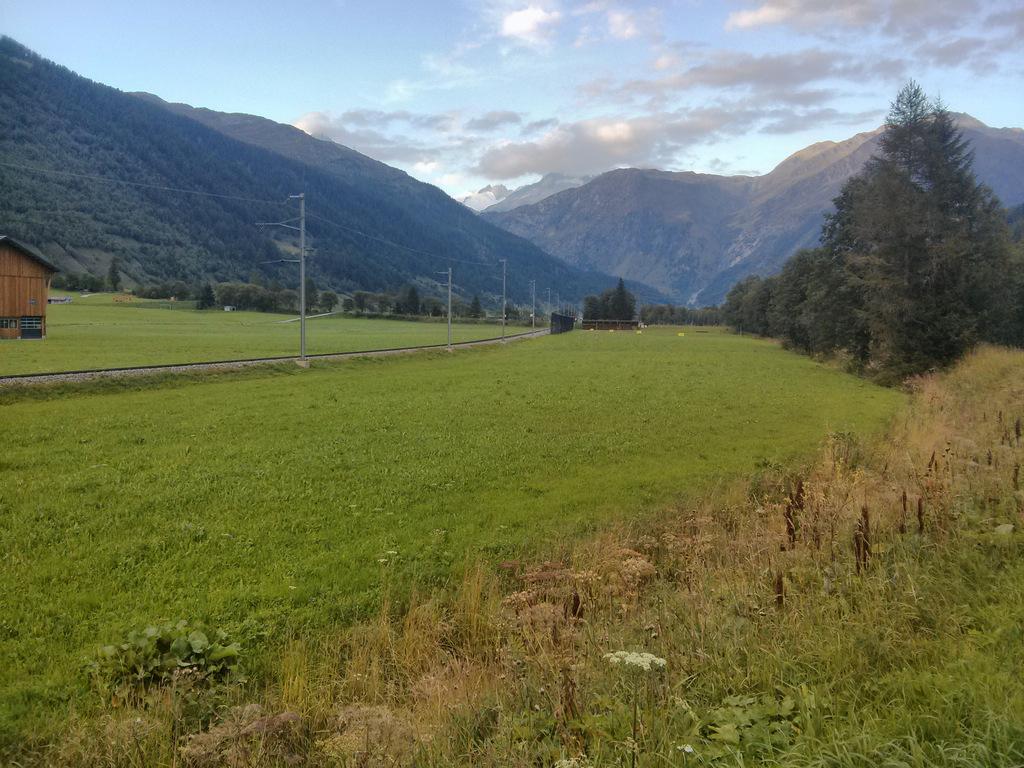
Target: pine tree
(475,310)
(206,298)
(622,305)
(114,275)
(312,297)
(409,301)
(918,245)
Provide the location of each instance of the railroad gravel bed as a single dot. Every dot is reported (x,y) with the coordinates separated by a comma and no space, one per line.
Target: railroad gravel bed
(110,373)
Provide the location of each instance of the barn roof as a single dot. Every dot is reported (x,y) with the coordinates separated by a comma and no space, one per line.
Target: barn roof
(28,250)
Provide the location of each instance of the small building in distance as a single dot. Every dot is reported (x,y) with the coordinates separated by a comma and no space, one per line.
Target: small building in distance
(610,325)
(24,288)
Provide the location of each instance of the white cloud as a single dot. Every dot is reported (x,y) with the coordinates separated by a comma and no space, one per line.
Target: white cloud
(491,121)
(452,180)
(758,17)
(532,25)
(581,148)
(901,18)
(622,25)
(368,131)
(656,139)
(399,90)
(614,133)
(777,75)
(667,61)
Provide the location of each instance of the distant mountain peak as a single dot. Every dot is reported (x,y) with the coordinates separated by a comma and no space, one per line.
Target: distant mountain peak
(693,235)
(485,197)
(548,185)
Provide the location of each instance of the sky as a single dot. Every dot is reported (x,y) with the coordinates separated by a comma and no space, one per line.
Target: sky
(463,93)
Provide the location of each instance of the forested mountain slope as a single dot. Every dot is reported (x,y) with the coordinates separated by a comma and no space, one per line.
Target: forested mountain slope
(370,227)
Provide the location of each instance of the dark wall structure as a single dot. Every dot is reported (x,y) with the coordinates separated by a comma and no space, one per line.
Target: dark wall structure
(562,323)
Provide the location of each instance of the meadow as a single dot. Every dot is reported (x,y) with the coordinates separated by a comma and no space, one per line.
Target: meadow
(96,332)
(275,502)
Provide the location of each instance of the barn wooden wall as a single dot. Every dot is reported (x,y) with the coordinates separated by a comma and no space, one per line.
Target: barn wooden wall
(21,280)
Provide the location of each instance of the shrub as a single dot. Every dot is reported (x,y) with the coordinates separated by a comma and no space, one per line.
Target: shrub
(157,654)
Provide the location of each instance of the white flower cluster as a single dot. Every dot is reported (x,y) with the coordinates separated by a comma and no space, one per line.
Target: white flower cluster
(639,661)
(572,762)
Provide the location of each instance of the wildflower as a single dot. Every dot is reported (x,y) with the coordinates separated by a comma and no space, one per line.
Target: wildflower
(572,762)
(641,661)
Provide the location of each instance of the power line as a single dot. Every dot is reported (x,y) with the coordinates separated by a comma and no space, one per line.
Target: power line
(141,184)
(144,185)
(385,241)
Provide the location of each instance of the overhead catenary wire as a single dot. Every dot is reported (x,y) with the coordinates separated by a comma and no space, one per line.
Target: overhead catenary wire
(385,241)
(202,193)
(141,184)
(163,188)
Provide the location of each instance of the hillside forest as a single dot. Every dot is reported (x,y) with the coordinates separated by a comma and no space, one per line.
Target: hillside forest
(916,265)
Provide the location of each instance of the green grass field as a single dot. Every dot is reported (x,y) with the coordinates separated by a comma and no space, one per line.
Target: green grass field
(283,500)
(96,332)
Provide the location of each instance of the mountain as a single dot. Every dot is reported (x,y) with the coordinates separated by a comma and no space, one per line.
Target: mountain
(498,197)
(694,235)
(485,197)
(549,184)
(89,173)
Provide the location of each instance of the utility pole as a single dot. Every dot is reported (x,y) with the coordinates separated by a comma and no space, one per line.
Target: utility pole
(302,277)
(449,273)
(548,304)
(301,229)
(533,300)
(558,303)
(504,264)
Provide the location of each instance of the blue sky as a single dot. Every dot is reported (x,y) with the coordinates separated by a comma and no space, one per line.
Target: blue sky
(461,93)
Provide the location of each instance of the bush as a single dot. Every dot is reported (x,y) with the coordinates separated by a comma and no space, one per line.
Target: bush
(156,655)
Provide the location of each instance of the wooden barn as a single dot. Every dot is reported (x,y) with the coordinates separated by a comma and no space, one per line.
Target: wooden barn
(24,288)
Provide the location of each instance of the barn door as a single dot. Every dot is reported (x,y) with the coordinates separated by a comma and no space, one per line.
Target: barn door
(31,327)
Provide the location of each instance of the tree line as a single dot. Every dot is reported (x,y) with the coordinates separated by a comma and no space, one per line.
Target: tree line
(916,263)
(270,296)
(669,314)
(614,304)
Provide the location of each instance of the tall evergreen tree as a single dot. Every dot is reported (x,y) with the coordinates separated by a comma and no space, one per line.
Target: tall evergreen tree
(206,298)
(614,304)
(409,301)
(475,310)
(921,246)
(114,275)
(312,296)
(623,304)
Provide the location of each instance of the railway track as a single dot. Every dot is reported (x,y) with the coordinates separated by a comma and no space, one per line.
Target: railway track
(54,377)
